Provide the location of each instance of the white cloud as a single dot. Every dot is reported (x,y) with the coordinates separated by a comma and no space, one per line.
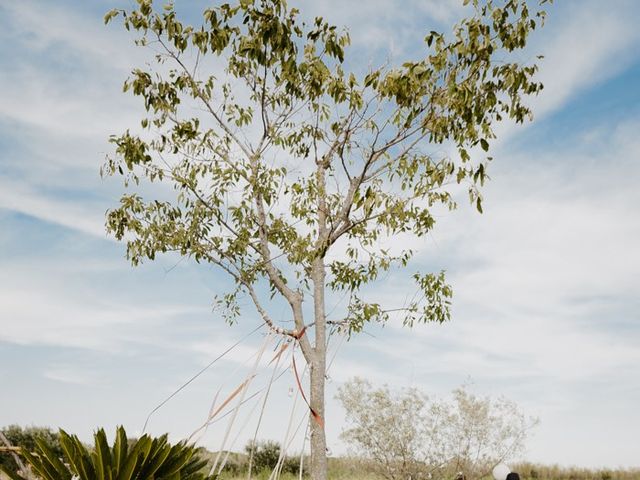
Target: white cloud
(72,89)
(595,43)
(46,305)
(71,214)
(581,49)
(393,26)
(37,317)
(57,113)
(63,105)
(70,374)
(60,31)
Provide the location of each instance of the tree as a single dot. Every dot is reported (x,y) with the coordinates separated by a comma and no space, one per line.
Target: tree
(150,458)
(289,167)
(267,455)
(262,455)
(385,427)
(410,436)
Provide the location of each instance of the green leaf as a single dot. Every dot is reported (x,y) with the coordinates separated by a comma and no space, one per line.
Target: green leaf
(51,461)
(110,15)
(120,448)
(137,456)
(103,456)
(77,456)
(158,455)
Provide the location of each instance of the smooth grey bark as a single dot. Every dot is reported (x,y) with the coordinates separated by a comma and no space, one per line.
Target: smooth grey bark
(318,438)
(317,378)
(319,360)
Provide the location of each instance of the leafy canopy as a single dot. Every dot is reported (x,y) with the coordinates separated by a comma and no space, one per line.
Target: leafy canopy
(284,160)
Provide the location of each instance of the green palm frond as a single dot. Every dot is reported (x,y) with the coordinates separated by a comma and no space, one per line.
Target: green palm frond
(148,459)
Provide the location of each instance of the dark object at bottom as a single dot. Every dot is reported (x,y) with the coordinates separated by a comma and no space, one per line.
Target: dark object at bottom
(513,476)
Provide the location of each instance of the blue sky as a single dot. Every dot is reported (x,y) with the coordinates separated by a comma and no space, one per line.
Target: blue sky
(546,281)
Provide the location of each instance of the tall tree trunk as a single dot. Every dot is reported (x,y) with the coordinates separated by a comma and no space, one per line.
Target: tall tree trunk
(318,438)
(317,376)
(319,361)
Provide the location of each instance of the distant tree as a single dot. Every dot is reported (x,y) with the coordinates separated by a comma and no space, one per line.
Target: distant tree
(25,438)
(265,455)
(290,165)
(262,455)
(410,436)
(385,427)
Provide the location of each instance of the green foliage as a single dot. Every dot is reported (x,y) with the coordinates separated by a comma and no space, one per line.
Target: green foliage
(25,438)
(286,165)
(149,458)
(264,455)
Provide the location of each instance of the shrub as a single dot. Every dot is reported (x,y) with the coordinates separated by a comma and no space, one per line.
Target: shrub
(266,455)
(25,438)
(149,459)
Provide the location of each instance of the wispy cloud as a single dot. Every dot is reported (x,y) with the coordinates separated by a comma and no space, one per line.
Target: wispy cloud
(581,50)
(592,44)
(52,308)
(72,214)
(64,33)
(70,374)
(57,110)
(392,28)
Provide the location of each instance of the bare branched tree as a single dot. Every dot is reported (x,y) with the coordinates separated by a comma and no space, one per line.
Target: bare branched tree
(407,435)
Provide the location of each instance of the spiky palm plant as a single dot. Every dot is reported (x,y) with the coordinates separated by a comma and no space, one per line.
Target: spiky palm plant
(148,459)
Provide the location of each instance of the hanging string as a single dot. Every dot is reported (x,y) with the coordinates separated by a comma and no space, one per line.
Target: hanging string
(213,411)
(204,369)
(240,430)
(251,375)
(264,403)
(304,441)
(248,399)
(278,467)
